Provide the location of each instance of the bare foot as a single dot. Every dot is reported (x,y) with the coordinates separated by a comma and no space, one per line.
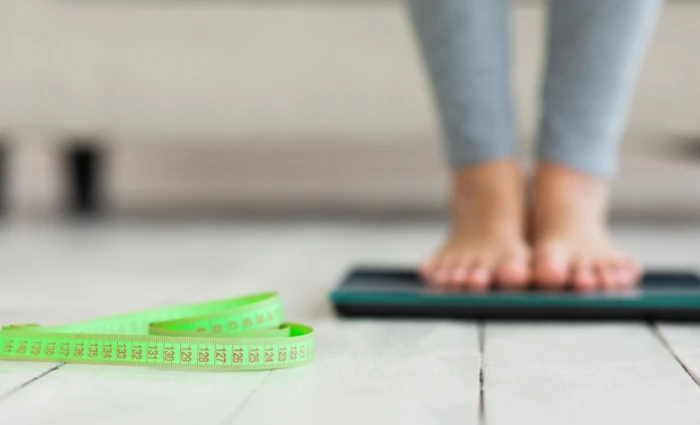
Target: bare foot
(486,242)
(570,237)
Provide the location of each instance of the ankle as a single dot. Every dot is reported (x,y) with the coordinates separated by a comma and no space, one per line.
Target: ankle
(498,179)
(552,179)
(489,195)
(568,197)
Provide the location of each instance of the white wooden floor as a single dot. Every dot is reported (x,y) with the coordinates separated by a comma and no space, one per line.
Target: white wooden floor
(366,372)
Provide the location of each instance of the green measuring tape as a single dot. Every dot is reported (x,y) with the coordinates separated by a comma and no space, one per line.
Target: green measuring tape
(244,333)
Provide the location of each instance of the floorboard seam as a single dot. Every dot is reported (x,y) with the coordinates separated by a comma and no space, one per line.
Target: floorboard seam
(659,335)
(482,405)
(17,389)
(232,417)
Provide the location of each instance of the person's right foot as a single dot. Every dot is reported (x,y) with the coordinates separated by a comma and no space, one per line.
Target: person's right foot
(486,244)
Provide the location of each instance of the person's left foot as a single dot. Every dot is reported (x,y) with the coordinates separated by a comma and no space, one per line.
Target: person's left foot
(571,240)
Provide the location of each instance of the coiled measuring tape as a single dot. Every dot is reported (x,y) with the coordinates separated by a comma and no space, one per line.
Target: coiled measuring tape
(237,334)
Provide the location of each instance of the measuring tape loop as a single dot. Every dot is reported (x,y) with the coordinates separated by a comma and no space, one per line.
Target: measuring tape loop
(235,334)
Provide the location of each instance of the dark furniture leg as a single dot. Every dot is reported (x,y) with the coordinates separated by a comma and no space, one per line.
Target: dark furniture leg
(83,160)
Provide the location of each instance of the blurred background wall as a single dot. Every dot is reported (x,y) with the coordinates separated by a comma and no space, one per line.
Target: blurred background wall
(289,105)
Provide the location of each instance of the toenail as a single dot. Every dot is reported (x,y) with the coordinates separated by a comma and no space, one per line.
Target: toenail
(460,274)
(480,274)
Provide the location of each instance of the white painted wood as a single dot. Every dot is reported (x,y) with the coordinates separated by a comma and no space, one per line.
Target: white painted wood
(684,341)
(261,257)
(14,375)
(423,372)
(666,244)
(53,274)
(105,395)
(96,272)
(584,374)
(369,372)
(407,372)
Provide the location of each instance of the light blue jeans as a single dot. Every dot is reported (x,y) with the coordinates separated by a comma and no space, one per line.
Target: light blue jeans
(594,51)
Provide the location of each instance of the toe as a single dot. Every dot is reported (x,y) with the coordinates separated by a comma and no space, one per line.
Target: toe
(479,277)
(459,276)
(630,271)
(607,275)
(439,269)
(626,277)
(427,269)
(442,276)
(443,270)
(623,277)
(513,272)
(584,277)
(552,268)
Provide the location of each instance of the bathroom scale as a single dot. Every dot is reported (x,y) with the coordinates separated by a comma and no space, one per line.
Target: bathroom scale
(394,292)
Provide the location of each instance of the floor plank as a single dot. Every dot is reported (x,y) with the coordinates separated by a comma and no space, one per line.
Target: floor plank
(414,372)
(418,372)
(137,267)
(684,342)
(584,374)
(368,372)
(13,376)
(108,395)
(126,269)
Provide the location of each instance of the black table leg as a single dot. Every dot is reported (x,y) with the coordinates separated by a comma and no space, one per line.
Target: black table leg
(83,161)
